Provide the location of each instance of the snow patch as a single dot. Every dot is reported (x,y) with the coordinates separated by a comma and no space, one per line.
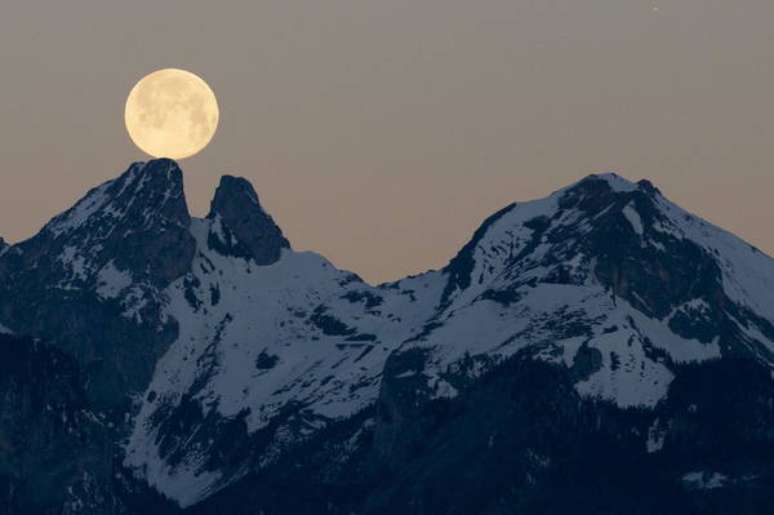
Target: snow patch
(74,263)
(111,281)
(634,219)
(703,480)
(76,216)
(627,377)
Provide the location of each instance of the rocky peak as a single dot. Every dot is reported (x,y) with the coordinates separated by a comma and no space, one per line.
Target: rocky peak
(602,229)
(240,226)
(96,272)
(139,221)
(642,250)
(597,192)
(147,193)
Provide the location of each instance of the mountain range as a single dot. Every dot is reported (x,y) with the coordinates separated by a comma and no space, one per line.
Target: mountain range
(598,351)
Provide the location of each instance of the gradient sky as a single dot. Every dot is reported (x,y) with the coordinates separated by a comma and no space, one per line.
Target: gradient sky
(381,132)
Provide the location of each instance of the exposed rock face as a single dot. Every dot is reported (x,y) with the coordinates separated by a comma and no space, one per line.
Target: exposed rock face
(95,273)
(139,221)
(242,228)
(599,330)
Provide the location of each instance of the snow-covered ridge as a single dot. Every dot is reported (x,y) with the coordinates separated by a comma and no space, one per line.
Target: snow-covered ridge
(96,200)
(123,239)
(534,283)
(75,217)
(260,337)
(283,343)
(159,180)
(257,338)
(747,271)
(616,182)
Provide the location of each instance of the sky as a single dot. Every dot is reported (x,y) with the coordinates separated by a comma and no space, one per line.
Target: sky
(381,133)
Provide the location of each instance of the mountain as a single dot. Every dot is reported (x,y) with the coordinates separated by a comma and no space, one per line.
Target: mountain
(599,350)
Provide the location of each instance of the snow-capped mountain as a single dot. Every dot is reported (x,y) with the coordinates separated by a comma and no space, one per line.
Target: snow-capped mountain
(217,360)
(605,270)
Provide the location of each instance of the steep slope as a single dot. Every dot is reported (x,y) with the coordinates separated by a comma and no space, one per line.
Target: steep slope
(597,331)
(606,277)
(272,345)
(225,361)
(95,273)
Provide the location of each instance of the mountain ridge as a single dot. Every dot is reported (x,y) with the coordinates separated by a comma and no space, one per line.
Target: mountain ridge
(216,351)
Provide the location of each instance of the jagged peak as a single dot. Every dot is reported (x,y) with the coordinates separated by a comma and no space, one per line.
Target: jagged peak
(240,226)
(138,221)
(614,180)
(146,190)
(598,208)
(607,224)
(603,186)
(230,185)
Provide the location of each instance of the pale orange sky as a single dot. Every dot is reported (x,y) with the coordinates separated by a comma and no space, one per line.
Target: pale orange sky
(380,133)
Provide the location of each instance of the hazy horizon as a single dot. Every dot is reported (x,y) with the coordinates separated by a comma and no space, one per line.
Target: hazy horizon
(382,134)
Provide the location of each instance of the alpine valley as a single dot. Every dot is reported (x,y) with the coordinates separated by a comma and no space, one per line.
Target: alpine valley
(598,351)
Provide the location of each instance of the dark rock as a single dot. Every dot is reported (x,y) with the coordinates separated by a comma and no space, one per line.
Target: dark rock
(266,361)
(246,230)
(330,325)
(371,300)
(54,450)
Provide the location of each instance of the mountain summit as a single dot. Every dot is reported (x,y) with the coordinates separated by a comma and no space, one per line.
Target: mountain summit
(204,365)
(243,228)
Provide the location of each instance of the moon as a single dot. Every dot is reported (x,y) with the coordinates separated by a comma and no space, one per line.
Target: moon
(171,113)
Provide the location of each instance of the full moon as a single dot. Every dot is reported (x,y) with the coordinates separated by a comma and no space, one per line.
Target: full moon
(171,113)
